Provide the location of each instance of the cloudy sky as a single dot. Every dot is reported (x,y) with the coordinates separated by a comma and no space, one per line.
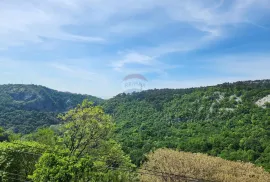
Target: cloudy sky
(89,46)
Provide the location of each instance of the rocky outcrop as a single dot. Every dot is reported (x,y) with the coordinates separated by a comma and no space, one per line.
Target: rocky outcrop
(263,101)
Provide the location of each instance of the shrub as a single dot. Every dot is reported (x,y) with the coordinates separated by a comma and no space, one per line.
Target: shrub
(163,163)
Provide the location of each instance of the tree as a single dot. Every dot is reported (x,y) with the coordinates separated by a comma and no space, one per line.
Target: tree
(3,137)
(18,159)
(86,152)
(44,136)
(87,126)
(170,165)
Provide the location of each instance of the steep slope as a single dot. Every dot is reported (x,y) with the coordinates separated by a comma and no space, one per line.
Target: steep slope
(222,120)
(23,108)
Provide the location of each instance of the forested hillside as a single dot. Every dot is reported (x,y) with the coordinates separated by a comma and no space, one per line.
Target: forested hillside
(103,141)
(79,150)
(83,149)
(231,121)
(23,108)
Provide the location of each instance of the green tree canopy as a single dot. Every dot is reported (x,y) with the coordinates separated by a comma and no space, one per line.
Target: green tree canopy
(85,151)
(18,159)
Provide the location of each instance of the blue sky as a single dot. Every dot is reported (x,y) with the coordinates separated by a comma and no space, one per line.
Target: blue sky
(89,46)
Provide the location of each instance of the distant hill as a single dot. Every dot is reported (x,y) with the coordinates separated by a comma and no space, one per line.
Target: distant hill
(231,120)
(23,108)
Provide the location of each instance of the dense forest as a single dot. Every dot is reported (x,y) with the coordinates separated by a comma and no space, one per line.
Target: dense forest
(24,108)
(224,120)
(81,149)
(119,139)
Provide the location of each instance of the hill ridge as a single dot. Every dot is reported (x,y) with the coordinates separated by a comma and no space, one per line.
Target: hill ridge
(24,108)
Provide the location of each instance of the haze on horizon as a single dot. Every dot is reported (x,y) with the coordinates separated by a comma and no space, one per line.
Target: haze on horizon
(87,46)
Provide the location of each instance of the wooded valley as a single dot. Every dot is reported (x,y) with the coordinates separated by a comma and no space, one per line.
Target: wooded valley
(55,136)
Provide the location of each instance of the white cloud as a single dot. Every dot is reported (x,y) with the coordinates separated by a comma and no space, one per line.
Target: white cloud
(205,16)
(28,21)
(132,57)
(62,67)
(43,24)
(133,62)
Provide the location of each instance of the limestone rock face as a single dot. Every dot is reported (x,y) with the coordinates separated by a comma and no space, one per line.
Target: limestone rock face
(263,101)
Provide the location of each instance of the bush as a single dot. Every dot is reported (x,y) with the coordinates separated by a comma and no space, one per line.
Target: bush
(165,162)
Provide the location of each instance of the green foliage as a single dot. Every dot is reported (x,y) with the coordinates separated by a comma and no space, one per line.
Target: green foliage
(2,135)
(221,121)
(63,167)
(18,159)
(86,127)
(79,150)
(8,135)
(24,108)
(45,136)
(85,151)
